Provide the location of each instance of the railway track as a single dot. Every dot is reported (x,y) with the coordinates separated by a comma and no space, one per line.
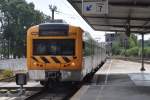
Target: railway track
(61,92)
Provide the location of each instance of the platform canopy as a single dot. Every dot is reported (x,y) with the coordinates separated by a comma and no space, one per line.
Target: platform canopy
(123,15)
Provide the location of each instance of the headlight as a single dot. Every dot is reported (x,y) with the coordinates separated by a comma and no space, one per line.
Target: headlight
(35,63)
(72,64)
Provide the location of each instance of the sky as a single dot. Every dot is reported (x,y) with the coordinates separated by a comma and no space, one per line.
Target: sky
(67,13)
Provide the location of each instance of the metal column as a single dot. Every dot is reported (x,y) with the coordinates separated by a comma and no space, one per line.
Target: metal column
(53,8)
(142,54)
(53,14)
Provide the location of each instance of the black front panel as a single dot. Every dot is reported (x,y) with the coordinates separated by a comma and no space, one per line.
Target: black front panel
(54,47)
(53,29)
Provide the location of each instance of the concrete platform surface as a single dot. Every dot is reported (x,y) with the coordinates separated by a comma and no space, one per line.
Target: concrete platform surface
(117,80)
(122,67)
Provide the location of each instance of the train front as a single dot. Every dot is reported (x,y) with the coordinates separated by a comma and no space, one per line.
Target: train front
(54,51)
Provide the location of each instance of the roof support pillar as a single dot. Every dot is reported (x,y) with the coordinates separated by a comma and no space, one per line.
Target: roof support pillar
(142,53)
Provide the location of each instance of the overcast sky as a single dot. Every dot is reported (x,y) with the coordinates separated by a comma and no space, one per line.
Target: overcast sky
(66,12)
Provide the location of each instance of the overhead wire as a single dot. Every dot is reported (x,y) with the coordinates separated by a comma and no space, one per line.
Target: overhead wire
(79,16)
(74,15)
(71,8)
(69,15)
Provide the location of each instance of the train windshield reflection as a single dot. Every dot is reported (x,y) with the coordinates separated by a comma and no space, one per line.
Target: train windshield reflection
(54,47)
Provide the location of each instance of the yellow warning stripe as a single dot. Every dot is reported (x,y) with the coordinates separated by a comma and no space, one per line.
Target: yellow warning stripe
(61,59)
(33,60)
(70,57)
(39,59)
(50,59)
(53,60)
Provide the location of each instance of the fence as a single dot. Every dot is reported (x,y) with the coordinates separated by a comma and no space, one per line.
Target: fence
(13,64)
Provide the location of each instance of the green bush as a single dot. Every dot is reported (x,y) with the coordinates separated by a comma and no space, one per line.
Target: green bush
(147,52)
(132,52)
(116,49)
(133,48)
(7,73)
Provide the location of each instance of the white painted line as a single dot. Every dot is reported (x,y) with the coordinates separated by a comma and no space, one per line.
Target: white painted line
(12,98)
(4,98)
(7,98)
(106,79)
(108,71)
(13,84)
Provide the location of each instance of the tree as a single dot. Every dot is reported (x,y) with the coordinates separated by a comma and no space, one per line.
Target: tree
(18,17)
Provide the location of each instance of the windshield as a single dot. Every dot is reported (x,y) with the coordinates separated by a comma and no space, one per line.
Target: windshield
(54,47)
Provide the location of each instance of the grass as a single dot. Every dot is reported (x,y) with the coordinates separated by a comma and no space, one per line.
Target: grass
(5,73)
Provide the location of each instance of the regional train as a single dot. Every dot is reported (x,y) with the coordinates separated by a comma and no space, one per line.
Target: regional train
(59,51)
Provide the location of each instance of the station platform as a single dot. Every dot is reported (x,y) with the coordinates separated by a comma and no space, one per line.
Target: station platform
(117,80)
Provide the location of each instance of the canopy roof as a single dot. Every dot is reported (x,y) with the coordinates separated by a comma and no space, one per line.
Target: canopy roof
(123,14)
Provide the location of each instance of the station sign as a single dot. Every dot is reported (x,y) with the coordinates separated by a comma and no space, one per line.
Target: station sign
(95,8)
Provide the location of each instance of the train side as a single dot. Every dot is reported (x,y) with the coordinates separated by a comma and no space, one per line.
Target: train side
(58,51)
(93,54)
